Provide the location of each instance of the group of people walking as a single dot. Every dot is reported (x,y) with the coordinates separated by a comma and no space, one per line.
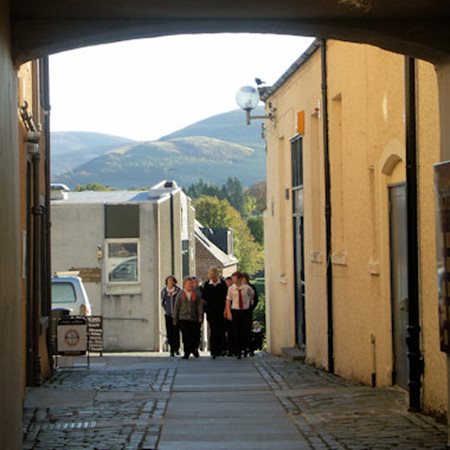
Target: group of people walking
(228,304)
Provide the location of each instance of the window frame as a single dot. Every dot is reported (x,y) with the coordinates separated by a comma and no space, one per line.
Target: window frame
(138,263)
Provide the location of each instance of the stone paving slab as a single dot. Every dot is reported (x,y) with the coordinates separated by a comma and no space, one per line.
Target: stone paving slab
(148,402)
(226,404)
(333,413)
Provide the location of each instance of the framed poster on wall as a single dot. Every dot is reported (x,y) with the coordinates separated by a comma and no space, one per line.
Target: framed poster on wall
(442,192)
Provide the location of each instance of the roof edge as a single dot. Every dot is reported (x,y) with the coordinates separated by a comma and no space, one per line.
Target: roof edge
(298,63)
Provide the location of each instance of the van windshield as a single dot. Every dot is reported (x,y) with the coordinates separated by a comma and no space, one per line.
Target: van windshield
(63,293)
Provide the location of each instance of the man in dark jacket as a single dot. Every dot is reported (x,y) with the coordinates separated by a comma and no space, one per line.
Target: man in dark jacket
(214,294)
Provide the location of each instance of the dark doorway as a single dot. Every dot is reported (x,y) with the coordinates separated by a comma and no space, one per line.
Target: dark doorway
(299,241)
(399,282)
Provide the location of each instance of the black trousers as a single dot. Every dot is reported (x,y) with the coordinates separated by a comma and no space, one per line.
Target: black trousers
(241,329)
(229,338)
(217,333)
(173,335)
(198,335)
(189,330)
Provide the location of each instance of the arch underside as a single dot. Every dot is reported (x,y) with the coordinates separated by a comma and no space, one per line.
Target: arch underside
(420,29)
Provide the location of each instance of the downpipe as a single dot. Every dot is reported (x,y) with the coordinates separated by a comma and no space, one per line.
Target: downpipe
(327,175)
(416,363)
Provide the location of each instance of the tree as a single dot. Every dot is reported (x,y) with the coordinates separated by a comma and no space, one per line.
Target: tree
(92,187)
(214,212)
(259,191)
(200,188)
(256,227)
(235,194)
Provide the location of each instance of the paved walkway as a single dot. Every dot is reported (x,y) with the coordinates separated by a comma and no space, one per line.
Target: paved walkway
(225,404)
(152,402)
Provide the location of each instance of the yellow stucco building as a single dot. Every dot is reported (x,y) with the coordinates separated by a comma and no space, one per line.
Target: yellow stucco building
(34,227)
(363,266)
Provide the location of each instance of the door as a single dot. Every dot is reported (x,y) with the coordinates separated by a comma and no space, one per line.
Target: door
(399,282)
(299,282)
(299,239)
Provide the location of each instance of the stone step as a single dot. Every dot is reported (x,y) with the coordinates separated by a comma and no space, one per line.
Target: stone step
(293,354)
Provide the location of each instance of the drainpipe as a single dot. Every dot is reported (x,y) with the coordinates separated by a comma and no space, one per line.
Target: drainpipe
(36,217)
(328,249)
(46,260)
(29,293)
(172,233)
(416,365)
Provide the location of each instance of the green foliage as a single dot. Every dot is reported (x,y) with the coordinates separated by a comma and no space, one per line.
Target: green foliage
(232,190)
(249,205)
(259,192)
(235,194)
(215,212)
(259,312)
(201,187)
(93,187)
(256,227)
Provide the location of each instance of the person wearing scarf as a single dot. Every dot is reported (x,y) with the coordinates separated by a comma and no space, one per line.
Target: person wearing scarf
(168,295)
(188,313)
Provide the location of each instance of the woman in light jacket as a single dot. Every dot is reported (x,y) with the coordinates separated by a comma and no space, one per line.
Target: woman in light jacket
(168,296)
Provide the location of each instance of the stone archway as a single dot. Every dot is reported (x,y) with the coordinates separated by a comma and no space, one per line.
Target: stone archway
(418,29)
(34,28)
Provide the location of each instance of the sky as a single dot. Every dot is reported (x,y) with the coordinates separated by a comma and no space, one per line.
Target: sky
(145,89)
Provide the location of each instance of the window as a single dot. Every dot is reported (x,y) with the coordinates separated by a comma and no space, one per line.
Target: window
(185,256)
(63,293)
(297,174)
(122,261)
(297,162)
(121,221)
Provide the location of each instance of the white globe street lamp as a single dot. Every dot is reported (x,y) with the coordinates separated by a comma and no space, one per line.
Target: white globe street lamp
(247,98)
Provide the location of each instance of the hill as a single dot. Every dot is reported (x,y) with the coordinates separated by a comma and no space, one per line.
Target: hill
(182,159)
(72,148)
(229,126)
(212,149)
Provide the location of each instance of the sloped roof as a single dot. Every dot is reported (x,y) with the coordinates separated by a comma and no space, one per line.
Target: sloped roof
(222,257)
(302,59)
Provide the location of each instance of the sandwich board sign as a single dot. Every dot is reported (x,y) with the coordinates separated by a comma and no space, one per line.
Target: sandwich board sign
(72,336)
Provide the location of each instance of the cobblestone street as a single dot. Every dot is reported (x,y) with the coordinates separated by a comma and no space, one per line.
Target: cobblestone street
(149,402)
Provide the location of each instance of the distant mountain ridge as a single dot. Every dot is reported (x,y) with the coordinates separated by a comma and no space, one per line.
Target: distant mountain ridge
(71,148)
(229,126)
(212,149)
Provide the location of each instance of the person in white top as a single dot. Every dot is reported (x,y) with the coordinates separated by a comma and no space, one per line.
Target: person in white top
(238,309)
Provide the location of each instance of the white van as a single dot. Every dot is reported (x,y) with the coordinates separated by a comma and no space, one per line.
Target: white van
(68,293)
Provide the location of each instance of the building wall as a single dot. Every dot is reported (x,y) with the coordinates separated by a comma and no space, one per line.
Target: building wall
(435,377)
(191,236)
(25,75)
(367,152)
(205,260)
(302,92)
(130,317)
(76,232)
(365,87)
(184,222)
(33,244)
(11,334)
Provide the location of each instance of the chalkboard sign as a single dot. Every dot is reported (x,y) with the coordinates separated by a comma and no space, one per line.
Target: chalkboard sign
(95,332)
